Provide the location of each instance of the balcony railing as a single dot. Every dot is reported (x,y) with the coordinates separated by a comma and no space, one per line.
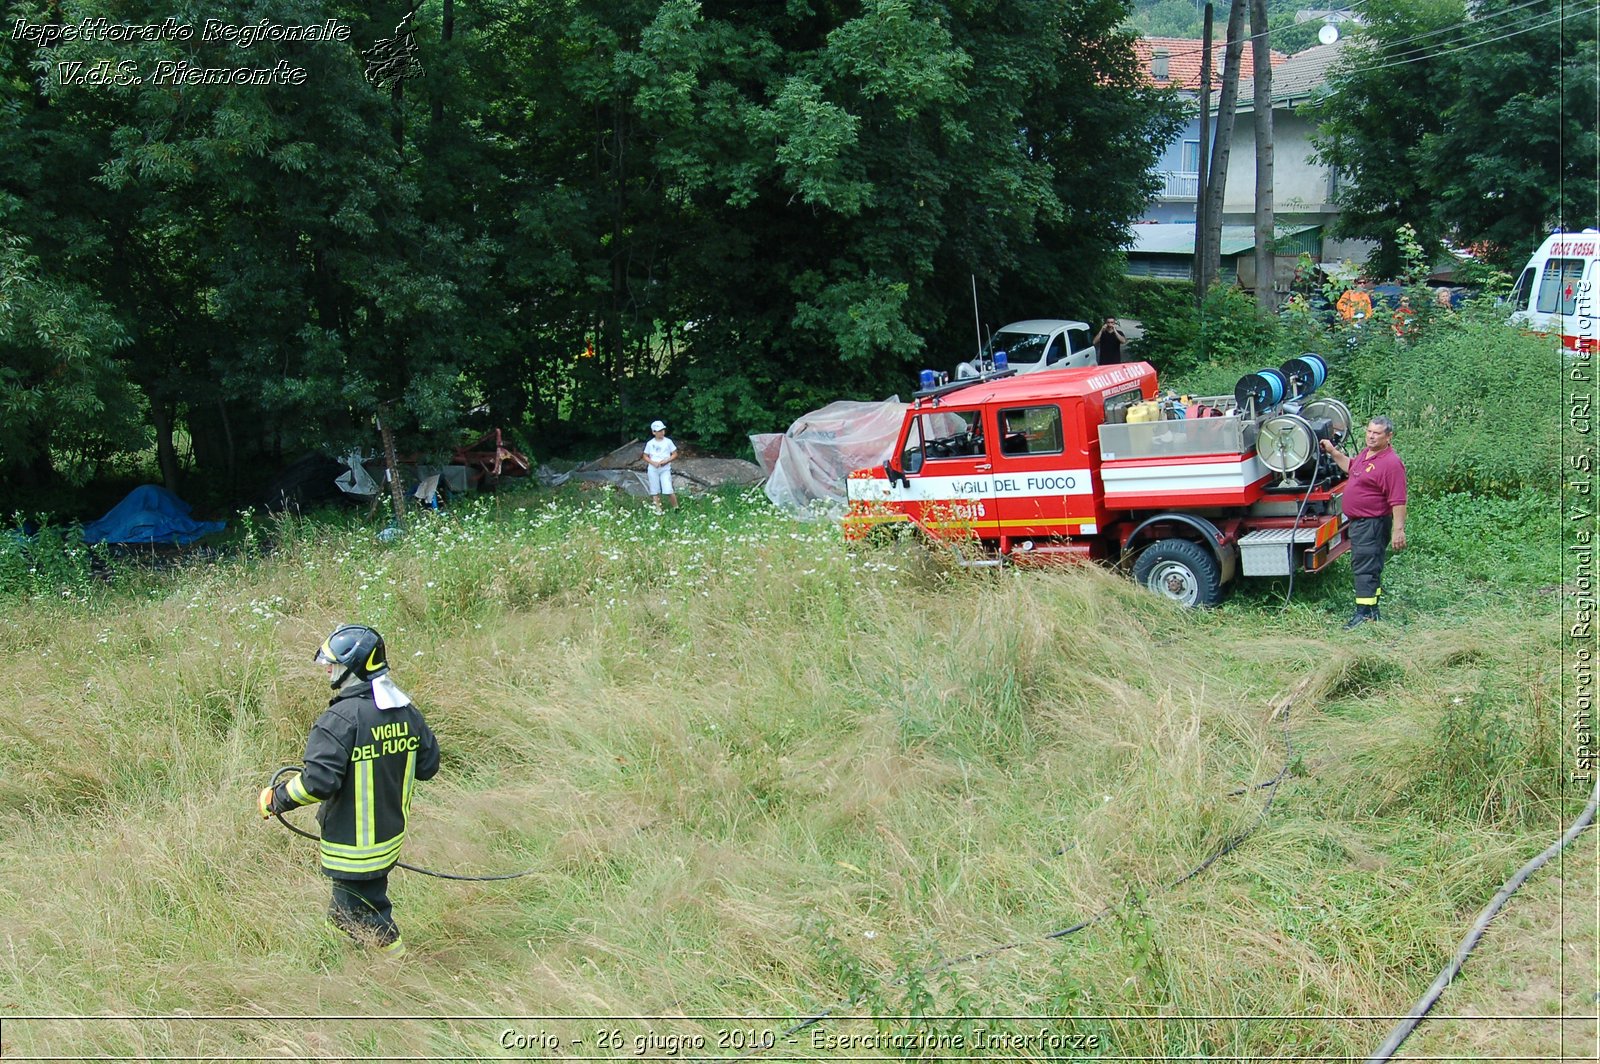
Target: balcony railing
(1179,185)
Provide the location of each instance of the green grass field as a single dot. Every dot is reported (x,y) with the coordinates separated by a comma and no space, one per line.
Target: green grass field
(759,778)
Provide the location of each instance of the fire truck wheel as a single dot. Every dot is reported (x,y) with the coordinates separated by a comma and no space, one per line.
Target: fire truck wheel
(1180,570)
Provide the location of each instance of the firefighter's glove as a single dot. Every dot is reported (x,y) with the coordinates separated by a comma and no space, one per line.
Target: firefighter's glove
(264,803)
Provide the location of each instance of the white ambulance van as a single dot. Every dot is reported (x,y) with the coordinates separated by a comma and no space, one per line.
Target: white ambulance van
(1558,291)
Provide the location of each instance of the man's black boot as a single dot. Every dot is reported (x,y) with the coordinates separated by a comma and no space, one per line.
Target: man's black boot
(1363,614)
(1375,615)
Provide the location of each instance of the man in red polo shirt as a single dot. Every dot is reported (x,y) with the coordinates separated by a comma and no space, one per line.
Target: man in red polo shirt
(1375,503)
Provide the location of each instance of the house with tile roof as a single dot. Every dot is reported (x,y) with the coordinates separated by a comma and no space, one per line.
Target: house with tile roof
(1303,189)
(1181,68)
(1174,62)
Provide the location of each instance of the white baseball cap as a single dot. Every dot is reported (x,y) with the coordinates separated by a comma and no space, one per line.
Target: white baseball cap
(658,426)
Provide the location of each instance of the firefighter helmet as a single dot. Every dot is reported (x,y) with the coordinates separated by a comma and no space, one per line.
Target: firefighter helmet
(358,648)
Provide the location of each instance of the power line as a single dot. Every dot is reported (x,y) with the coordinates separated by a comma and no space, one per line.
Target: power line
(1475,24)
(1458,26)
(1475,44)
(1526,24)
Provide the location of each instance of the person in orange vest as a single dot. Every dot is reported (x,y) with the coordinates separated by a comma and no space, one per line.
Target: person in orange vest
(1355,305)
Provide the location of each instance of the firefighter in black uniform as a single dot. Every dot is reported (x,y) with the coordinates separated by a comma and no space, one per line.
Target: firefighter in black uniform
(362,758)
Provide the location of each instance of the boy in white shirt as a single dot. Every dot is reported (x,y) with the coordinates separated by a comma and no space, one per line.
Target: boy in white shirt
(659,453)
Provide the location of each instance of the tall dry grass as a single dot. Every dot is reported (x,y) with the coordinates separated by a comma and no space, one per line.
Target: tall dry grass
(753,775)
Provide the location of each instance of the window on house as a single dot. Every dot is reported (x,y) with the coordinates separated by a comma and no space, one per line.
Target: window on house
(1191,157)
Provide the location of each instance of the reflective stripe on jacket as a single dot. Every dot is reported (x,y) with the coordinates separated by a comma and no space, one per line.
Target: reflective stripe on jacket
(361,763)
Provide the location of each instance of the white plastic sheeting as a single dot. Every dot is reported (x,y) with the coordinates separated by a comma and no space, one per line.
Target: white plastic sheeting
(355,480)
(807,466)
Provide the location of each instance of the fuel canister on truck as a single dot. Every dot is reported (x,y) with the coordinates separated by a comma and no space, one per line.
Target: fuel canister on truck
(1093,463)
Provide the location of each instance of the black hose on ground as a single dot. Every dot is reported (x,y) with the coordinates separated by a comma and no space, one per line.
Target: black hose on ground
(287,769)
(1403,1029)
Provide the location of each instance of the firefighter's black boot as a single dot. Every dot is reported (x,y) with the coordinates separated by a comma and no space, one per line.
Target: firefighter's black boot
(1375,615)
(1362,615)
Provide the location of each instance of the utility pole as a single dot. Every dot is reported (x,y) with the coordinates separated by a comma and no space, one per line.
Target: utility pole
(1266,297)
(1200,197)
(1217,178)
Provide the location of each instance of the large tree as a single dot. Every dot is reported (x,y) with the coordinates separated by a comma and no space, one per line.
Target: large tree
(270,255)
(1472,122)
(579,215)
(734,212)
(812,186)
(63,392)
(66,400)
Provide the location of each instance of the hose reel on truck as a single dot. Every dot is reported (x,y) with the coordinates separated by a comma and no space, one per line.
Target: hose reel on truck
(1284,423)
(1287,442)
(1293,426)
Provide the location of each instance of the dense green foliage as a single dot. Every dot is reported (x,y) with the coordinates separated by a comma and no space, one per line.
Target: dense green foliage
(739,211)
(1149,298)
(1226,327)
(1472,406)
(1473,122)
(1474,401)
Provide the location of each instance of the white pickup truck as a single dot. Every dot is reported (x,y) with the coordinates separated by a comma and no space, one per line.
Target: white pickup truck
(1041,343)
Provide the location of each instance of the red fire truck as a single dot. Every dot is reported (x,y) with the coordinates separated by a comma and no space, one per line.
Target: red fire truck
(1092,463)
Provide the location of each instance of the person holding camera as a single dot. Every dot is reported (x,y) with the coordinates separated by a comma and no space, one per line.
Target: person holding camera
(1108,343)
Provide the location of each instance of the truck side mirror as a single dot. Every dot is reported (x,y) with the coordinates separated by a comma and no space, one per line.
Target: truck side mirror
(894,475)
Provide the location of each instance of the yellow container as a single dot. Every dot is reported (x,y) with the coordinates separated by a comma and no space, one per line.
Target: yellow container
(1146,411)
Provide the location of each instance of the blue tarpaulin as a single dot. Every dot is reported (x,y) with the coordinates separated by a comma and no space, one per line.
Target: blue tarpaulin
(149,514)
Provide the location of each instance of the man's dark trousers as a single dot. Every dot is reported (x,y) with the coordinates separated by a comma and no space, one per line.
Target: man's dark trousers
(1369,542)
(363,905)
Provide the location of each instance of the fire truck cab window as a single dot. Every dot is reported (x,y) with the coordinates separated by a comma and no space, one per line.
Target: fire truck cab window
(943,435)
(1030,430)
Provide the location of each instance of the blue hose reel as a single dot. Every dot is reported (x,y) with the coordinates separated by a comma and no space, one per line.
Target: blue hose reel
(1262,389)
(1305,374)
(1295,379)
